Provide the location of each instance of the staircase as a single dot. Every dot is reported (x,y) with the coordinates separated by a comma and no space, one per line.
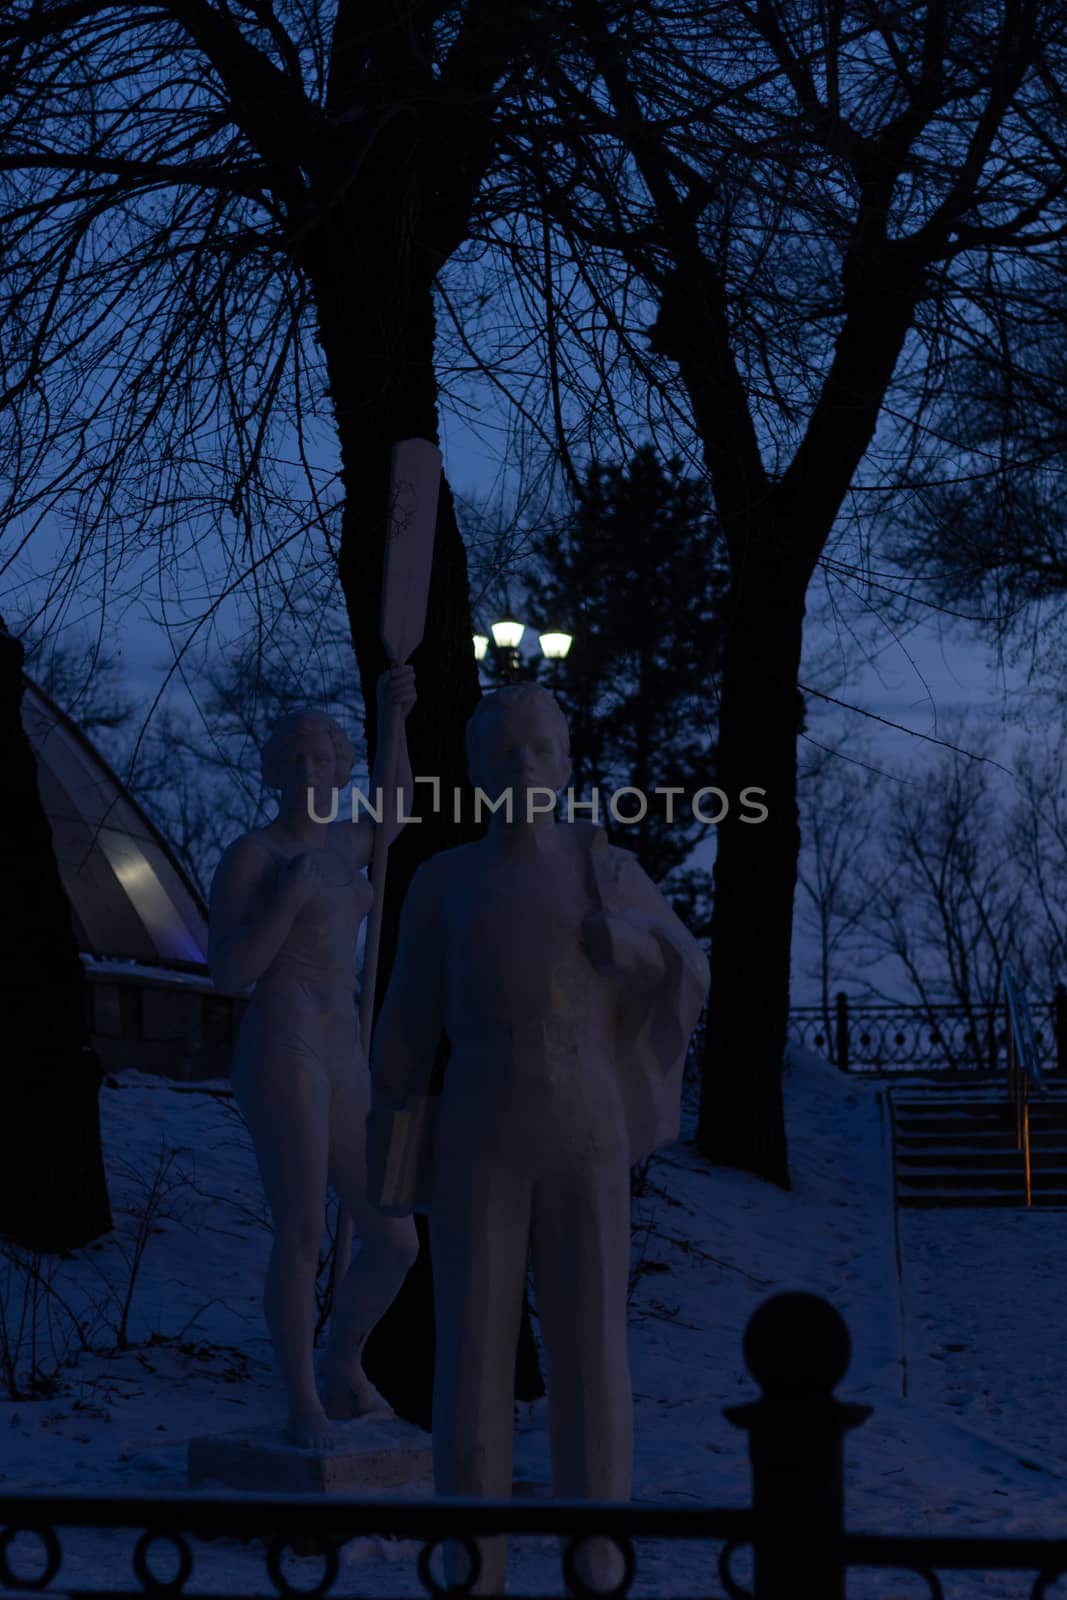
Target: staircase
(956,1147)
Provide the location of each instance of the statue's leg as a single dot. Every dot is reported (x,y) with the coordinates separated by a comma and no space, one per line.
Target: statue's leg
(285,1105)
(479,1240)
(388,1247)
(581,1251)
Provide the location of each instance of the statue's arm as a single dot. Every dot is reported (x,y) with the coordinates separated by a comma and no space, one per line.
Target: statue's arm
(247,929)
(412,1017)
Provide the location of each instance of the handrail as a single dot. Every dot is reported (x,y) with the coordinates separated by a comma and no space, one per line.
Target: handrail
(1023,1070)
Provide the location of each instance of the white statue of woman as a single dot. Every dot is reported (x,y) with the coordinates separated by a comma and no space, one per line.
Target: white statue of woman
(286,904)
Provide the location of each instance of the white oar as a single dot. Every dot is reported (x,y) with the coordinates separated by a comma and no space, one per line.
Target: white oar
(414,481)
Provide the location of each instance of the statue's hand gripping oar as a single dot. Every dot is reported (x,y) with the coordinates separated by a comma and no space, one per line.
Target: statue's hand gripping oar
(414,480)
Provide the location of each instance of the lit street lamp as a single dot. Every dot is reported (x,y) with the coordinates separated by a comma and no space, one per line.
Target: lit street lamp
(507,636)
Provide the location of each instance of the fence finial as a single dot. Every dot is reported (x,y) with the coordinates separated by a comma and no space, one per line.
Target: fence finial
(797,1348)
(797,1343)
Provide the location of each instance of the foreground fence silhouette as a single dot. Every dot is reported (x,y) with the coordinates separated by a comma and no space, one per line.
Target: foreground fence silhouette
(796,1347)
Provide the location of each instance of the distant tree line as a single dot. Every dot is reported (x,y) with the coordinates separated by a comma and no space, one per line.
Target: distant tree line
(926,880)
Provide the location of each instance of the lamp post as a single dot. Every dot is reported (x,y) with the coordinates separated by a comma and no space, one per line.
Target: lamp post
(507,635)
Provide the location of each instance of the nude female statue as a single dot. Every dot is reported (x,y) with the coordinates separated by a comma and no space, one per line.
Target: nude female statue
(286,904)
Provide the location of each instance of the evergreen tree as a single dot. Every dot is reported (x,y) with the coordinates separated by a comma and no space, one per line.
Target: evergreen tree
(633,574)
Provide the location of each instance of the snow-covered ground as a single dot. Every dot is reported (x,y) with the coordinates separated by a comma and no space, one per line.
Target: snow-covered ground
(969,1431)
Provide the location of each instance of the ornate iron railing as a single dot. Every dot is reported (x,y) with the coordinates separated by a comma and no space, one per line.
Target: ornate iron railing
(314,1526)
(796,1346)
(912,1038)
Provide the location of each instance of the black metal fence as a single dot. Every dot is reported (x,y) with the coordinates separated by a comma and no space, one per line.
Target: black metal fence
(912,1038)
(796,1347)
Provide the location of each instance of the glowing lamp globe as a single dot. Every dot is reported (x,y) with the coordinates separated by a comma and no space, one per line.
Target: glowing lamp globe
(555,645)
(507,634)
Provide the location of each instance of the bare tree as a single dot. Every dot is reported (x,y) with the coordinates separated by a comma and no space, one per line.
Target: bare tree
(814,217)
(222,234)
(951,907)
(777,230)
(1036,826)
(196,769)
(986,524)
(839,865)
(84,680)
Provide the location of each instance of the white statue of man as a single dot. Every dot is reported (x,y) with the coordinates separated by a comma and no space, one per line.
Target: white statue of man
(286,904)
(568,990)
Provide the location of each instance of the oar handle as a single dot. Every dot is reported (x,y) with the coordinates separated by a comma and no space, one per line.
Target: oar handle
(379,860)
(379,863)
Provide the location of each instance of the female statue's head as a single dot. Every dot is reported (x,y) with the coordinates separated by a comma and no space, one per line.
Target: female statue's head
(306,749)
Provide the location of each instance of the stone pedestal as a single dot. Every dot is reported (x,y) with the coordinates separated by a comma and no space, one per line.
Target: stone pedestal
(372,1454)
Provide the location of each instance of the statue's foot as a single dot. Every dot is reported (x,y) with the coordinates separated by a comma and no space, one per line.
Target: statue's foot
(345,1396)
(311,1430)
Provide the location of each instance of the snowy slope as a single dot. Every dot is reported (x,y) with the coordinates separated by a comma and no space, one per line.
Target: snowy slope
(978,1443)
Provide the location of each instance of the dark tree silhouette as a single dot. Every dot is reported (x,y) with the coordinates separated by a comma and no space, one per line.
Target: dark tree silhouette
(633,574)
(53,1194)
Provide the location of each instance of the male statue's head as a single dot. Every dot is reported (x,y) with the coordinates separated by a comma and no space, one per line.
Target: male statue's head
(306,749)
(517,738)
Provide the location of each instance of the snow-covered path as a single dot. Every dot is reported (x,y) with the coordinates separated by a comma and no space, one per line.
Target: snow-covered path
(989,1346)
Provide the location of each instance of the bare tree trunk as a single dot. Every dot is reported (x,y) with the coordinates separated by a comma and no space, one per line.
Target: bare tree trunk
(775,531)
(53,1192)
(741,1122)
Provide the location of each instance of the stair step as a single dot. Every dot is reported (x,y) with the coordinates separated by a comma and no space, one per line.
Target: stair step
(982,1125)
(924,1102)
(975,1108)
(979,1130)
(960,1150)
(958,1199)
(982,1161)
(985,1102)
(967,1151)
(983,1113)
(986,1180)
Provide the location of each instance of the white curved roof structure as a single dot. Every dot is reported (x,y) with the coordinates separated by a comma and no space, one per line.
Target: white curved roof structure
(130,896)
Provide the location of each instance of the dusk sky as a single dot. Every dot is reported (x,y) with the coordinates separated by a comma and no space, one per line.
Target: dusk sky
(915,675)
